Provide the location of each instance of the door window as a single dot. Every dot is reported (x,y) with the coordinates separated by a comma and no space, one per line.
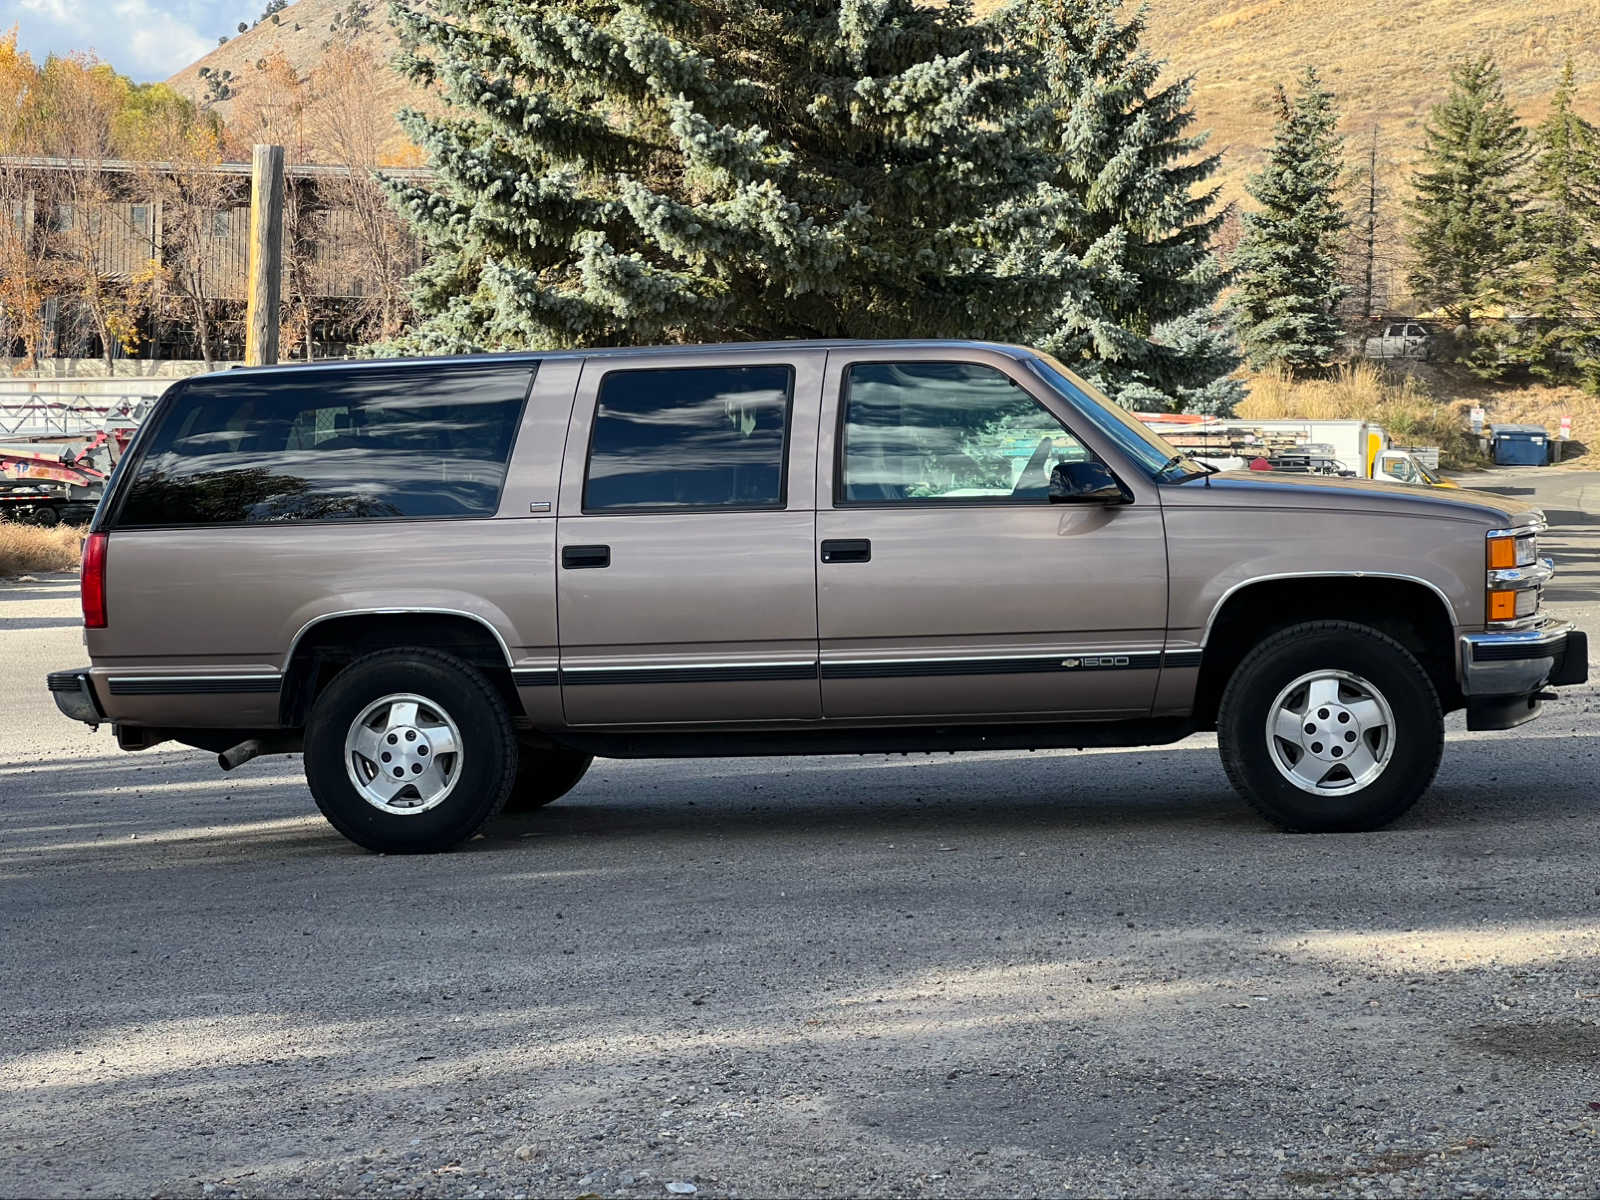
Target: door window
(1400,469)
(939,432)
(690,438)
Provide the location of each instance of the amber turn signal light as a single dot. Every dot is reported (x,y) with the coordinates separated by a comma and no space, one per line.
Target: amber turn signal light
(1502,553)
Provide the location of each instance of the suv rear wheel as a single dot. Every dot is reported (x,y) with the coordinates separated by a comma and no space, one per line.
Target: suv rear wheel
(1330,726)
(409,751)
(545,774)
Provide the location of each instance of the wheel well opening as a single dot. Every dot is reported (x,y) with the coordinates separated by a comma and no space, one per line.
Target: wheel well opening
(330,646)
(1411,613)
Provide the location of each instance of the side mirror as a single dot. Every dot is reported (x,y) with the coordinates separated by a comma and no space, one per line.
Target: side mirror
(1085,483)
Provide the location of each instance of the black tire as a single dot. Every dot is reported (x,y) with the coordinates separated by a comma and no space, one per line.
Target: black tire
(46,518)
(1417,736)
(487,765)
(545,774)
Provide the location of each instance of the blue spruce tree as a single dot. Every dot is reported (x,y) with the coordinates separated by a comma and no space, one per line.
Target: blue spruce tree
(1136,212)
(694,170)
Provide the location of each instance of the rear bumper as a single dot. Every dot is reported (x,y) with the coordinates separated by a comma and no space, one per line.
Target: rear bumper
(1502,674)
(74,695)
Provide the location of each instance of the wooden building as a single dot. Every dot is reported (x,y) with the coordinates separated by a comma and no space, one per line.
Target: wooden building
(123,215)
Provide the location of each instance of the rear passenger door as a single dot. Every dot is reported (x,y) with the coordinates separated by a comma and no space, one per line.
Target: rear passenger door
(686,590)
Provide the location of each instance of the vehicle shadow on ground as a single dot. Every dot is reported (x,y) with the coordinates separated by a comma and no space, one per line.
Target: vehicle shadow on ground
(34,588)
(22,623)
(57,814)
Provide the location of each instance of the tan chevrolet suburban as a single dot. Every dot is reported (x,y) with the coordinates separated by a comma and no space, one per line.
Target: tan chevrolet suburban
(452,582)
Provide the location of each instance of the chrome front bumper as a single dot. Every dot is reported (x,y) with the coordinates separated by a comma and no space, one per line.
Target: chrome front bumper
(74,695)
(1521,662)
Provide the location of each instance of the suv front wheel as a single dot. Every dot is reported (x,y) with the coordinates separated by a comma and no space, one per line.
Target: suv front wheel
(409,751)
(1330,726)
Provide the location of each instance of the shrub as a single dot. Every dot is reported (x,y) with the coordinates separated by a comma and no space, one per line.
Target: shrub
(25,548)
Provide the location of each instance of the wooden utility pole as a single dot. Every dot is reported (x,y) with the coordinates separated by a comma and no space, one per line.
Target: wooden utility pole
(265,294)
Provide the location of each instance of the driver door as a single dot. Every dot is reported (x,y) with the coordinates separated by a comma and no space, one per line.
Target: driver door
(948,584)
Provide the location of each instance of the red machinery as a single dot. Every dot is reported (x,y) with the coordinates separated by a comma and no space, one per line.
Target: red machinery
(45,483)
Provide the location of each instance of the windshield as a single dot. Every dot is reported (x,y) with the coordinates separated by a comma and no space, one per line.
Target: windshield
(1149,449)
(1426,474)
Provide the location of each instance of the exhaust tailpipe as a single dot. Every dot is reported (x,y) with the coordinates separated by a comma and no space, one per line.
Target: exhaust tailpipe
(241,754)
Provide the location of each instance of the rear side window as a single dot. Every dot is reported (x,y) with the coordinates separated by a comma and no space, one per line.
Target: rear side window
(690,438)
(362,444)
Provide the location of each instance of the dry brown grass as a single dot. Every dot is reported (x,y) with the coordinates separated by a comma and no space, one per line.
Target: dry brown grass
(1358,391)
(26,548)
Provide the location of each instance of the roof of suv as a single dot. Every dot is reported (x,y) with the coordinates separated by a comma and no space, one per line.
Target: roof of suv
(644,352)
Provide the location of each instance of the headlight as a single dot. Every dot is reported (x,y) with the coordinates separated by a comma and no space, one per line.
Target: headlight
(1513,551)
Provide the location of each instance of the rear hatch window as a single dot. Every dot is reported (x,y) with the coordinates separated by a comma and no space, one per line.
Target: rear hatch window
(368,443)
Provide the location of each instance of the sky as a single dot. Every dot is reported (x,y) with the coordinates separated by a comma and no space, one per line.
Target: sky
(144,39)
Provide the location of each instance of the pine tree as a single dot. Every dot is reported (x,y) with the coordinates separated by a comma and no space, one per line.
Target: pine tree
(1137,213)
(1467,214)
(1287,264)
(626,171)
(1562,279)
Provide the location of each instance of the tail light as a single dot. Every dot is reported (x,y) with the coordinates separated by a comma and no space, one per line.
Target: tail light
(93,587)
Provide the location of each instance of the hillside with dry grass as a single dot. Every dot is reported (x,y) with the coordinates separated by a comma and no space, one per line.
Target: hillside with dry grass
(304,37)
(1387,61)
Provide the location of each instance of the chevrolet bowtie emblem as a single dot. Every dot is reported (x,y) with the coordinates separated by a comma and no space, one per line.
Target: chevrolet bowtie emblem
(1070,662)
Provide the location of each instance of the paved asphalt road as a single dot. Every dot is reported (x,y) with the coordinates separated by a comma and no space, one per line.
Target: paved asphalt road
(1071,972)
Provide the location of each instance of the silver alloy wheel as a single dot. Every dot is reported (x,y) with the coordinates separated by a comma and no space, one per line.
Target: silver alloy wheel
(1330,733)
(403,754)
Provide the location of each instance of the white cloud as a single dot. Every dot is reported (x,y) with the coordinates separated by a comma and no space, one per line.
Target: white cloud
(57,10)
(160,43)
(144,39)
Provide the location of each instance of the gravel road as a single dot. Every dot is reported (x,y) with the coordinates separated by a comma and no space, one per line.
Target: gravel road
(1062,973)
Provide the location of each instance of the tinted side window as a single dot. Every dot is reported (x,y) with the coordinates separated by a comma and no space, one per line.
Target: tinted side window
(924,431)
(690,437)
(331,445)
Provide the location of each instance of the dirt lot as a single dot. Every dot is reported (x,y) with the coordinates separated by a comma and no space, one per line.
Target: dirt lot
(1061,973)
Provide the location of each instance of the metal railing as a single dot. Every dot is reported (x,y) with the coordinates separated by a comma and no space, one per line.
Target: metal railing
(38,409)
